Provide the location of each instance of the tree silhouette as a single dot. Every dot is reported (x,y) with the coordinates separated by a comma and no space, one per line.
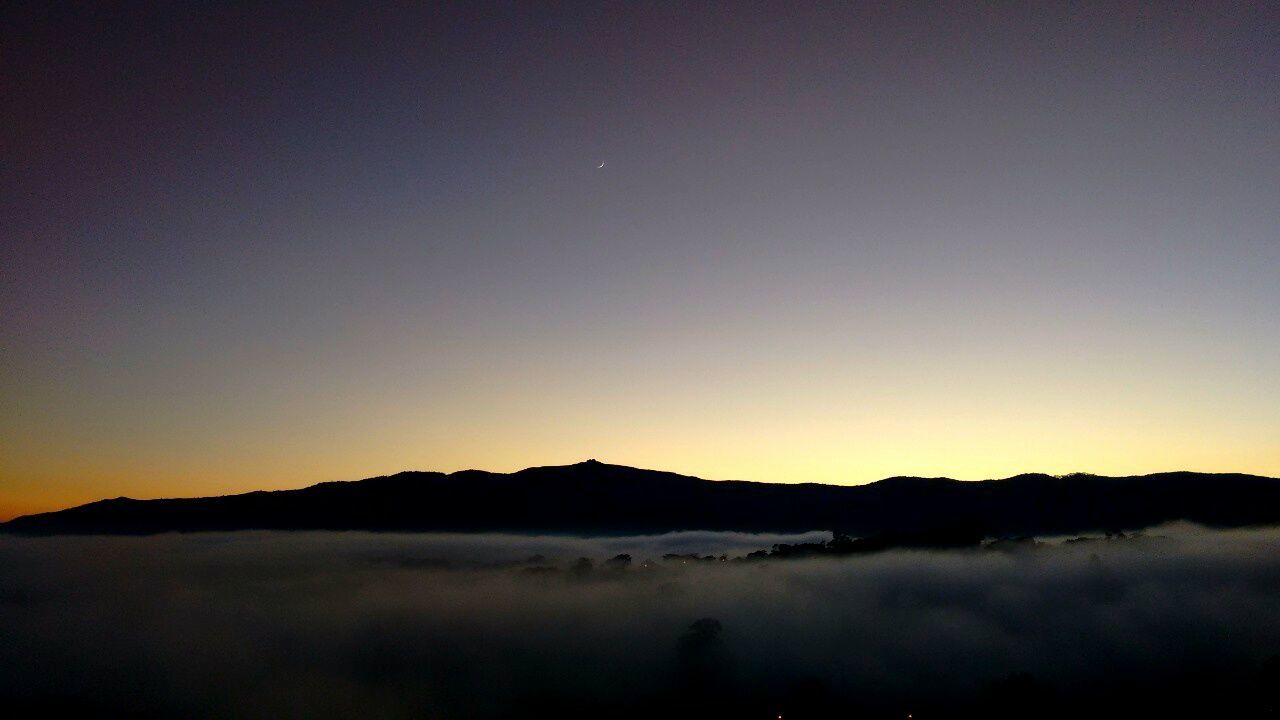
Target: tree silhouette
(618,562)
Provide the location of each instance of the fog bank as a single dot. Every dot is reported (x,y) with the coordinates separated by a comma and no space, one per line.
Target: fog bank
(342,624)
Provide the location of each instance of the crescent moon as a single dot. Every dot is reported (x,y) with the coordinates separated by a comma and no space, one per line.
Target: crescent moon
(600,166)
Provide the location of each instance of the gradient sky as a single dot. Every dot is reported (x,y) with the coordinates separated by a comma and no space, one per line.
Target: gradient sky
(261,248)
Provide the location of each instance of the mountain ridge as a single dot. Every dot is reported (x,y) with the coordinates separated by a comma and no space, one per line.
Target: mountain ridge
(599,498)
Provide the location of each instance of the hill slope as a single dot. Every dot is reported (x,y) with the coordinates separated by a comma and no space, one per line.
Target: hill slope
(597,498)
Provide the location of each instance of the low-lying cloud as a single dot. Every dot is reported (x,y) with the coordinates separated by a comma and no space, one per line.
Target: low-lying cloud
(355,624)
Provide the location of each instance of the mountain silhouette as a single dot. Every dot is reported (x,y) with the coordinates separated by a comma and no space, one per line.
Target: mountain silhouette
(603,499)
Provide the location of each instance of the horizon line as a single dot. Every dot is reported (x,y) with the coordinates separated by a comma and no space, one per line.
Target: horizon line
(5,517)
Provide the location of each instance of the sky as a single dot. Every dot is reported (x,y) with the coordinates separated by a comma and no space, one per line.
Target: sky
(261,247)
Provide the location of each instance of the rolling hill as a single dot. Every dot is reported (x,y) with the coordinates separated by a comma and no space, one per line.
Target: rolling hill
(603,499)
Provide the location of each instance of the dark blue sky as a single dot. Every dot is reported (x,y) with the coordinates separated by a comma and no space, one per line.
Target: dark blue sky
(251,247)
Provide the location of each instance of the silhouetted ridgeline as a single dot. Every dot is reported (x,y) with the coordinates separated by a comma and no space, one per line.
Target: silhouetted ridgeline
(596,498)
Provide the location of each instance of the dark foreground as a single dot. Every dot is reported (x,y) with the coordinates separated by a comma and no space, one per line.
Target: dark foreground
(1180,623)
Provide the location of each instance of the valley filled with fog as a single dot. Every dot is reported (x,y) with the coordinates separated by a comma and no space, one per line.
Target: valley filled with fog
(343,624)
